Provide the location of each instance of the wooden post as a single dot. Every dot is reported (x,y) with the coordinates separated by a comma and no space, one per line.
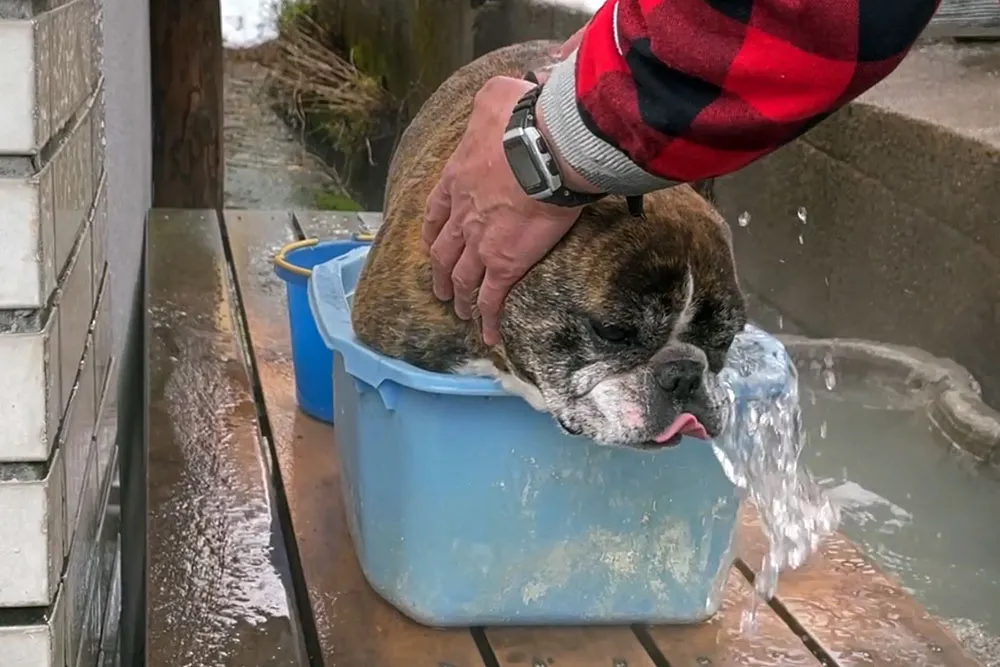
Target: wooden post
(186,61)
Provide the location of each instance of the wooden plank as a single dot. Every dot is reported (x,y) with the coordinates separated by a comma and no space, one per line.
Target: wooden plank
(327,224)
(577,647)
(722,642)
(355,627)
(186,81)
(854,611)
(335,225)
(217,593)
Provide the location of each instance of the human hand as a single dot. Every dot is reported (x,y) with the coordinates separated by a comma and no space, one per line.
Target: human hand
(483,232)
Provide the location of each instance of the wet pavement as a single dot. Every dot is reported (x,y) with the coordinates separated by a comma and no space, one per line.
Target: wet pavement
(267,166)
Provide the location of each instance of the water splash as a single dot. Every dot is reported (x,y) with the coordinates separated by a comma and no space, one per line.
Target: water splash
(744,219)
(801,214)
(759,452)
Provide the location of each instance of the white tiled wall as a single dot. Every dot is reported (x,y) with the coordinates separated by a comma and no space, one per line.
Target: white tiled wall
(58,387)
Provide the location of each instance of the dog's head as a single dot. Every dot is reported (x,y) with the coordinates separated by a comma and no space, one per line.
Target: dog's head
(624,326)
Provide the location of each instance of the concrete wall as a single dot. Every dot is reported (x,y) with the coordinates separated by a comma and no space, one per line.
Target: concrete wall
(902,193)
(74,189)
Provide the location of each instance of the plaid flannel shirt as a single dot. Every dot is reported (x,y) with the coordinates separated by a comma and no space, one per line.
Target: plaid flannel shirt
(668,91)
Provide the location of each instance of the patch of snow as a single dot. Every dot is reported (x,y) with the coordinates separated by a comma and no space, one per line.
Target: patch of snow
(248,23)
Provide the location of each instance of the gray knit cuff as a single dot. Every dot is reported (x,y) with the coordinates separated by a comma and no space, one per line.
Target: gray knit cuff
(603,165)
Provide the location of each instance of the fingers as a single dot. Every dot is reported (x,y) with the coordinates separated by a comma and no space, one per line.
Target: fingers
(466,277)
(491,297)
(437,213)
(445,253)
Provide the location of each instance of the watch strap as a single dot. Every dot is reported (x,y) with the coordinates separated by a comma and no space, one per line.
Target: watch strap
(524,114)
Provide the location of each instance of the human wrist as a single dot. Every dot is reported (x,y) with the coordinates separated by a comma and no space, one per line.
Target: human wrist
(571,178)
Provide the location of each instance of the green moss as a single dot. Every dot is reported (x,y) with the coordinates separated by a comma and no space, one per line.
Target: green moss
(292,10)
(329,200)
(367,58)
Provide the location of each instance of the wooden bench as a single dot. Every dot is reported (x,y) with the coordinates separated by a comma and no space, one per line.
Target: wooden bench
(250,561)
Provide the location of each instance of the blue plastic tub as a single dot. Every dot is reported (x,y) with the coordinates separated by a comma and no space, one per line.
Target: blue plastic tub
(311,358)
(467,507)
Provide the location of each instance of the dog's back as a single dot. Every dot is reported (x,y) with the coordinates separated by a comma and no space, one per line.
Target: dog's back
(395,310)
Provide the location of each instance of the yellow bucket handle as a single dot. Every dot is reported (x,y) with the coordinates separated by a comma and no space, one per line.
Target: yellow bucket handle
(281,259)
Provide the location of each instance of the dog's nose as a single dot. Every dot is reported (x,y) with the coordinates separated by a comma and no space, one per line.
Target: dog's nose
(680,377)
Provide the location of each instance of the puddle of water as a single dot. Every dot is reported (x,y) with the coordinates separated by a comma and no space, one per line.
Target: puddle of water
(925,513)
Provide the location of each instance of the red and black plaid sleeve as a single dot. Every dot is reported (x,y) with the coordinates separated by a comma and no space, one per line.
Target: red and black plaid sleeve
(666,91)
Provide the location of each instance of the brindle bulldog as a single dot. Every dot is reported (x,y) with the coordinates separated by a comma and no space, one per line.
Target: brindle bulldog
(618,332)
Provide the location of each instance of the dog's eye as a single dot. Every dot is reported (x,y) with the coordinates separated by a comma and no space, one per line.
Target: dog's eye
(611,332)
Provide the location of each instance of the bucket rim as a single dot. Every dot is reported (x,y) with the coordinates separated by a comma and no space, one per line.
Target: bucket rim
(282,263)
(281,258)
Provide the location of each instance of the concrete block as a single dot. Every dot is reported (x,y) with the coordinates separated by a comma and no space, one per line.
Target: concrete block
(35,641)
(74,65)
(76,307)
(99,227)
(110,655)
(74,185)
(102,335)
(51,63)
(100,598)
(106,431)
(83,568)
(25,235)
(41,214)
(76,439)
(30,393)
(98,133)
(21,131)
(31,532)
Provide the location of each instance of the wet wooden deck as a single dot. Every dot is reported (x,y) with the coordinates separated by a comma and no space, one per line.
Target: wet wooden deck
(250,561)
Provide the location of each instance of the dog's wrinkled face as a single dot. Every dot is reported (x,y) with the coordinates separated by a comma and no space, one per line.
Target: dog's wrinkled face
(625,325)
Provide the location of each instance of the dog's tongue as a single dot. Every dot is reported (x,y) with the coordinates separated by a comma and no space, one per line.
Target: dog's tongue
(685,424)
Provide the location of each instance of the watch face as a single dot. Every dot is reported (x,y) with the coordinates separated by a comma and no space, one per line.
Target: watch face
(523,166)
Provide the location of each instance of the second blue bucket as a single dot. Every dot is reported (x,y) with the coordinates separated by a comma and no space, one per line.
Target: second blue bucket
(311,358)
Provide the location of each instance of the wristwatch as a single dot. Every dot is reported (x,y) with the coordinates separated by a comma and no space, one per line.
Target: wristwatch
(531,161)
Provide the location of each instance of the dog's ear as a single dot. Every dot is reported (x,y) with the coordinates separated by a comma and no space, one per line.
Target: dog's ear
(727,231)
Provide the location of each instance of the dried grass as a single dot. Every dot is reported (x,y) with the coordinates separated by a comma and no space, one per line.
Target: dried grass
(316,81)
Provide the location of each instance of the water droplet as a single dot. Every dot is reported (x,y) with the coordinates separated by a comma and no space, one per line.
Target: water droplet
(744,218)
(822,430)
(801,213)
(781,323)
(801,241)
(829,379)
